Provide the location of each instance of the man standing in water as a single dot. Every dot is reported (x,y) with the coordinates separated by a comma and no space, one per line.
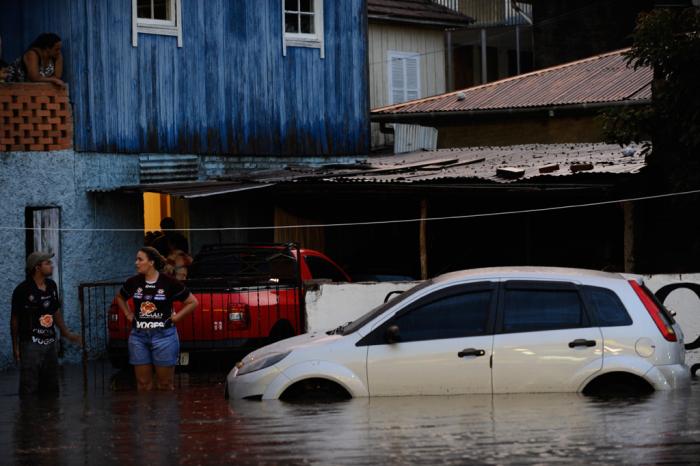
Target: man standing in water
(35,310)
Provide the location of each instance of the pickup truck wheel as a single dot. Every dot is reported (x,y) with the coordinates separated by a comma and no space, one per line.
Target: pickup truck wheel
(281,330)
(315,391)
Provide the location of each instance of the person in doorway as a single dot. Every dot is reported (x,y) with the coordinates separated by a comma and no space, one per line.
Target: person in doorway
(174,247)
(170,240)
(153,342)
(42,62)
(35,312)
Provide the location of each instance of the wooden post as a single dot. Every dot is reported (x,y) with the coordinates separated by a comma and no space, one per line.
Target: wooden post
(628,212)
(423,240)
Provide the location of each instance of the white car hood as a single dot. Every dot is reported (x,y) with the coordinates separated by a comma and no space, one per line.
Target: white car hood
(305,340)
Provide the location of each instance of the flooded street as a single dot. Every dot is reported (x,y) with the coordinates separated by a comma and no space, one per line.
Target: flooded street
(195,425)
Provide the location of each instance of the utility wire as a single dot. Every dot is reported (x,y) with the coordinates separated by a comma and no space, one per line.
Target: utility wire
(378,222)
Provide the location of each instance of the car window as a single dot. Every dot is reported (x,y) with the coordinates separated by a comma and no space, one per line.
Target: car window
(322,269)
(608,309)
(533,310)
(379,310)
(449,317)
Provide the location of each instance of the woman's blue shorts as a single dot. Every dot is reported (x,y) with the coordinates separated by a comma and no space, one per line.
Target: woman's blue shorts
(159,347)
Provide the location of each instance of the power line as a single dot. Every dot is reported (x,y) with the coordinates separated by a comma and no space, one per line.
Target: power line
(379,222)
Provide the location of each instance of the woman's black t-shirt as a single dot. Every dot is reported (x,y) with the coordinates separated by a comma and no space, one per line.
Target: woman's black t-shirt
(153,302)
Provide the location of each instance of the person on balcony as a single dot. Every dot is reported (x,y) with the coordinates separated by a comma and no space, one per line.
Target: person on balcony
(42,62)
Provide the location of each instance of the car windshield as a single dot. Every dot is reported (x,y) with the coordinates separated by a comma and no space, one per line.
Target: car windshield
(360,322)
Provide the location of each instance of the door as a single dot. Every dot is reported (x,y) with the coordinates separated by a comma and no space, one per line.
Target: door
(544,339)
(439,345)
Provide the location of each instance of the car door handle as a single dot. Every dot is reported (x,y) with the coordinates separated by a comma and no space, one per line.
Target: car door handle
(581,342)
(471,352)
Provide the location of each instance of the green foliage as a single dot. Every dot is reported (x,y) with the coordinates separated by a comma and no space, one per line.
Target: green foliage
(667,40)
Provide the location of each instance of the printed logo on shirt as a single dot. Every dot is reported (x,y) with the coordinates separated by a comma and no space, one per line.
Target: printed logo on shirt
(149,325)
(43,341)
(46,320)
(160,295)
(147,308)
(46,303)
(31,298)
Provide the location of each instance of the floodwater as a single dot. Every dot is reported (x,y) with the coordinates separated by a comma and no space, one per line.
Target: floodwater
(195,425)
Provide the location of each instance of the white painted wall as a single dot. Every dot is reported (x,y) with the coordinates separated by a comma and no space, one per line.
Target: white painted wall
(686,306)
(332,304)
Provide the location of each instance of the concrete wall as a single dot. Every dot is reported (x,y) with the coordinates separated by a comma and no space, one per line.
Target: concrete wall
(332,305)
(62,179)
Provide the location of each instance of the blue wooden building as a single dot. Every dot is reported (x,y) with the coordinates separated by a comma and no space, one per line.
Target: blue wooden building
(230,77)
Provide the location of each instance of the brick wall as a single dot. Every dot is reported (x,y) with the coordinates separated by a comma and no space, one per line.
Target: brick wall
(34,117)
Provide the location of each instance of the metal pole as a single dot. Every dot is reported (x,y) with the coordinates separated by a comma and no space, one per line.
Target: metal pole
(450,71)
(484,75)
(517,48)
(81,298)
(423,240)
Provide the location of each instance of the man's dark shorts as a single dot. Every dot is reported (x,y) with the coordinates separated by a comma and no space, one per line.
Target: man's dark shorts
(38,369)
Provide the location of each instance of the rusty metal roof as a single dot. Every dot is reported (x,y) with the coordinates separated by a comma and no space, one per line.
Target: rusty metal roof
(604,78)
(423,12)
(499,164)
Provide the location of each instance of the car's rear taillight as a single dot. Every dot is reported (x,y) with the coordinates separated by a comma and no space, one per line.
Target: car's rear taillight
(665,327)
(237,315)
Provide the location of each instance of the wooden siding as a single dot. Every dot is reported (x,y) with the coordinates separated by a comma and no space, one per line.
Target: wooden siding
(429,43)
(228,90)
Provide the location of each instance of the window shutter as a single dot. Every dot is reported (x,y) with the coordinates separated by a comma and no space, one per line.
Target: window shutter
(404,77)
(412,89)
(397,80)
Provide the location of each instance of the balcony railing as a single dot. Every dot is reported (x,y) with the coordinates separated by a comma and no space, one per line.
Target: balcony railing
(492,12)
(34,117)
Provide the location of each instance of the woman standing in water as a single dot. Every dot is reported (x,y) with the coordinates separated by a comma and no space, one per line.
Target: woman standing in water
(153,341)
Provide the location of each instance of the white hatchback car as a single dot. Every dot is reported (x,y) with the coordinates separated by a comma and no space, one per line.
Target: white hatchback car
(497,330)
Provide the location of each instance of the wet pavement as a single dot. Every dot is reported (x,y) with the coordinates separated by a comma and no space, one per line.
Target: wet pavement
(114,425)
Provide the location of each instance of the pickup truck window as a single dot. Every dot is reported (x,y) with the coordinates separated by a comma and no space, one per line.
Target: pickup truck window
(322,269)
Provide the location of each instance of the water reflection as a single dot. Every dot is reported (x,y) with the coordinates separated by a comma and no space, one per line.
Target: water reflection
(195,425)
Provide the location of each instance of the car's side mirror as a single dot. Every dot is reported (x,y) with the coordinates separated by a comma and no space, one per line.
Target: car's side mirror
(392,334)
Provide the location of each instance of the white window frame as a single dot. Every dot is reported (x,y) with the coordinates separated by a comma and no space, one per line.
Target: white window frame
(157,26)
(395,55)
(305,40)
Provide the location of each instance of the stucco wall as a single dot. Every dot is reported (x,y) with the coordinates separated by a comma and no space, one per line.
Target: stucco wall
(62,179)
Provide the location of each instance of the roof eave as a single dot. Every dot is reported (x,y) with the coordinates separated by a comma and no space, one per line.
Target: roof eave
(404,116)
(419,22)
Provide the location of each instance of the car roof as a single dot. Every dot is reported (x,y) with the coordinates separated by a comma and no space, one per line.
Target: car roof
(529,272)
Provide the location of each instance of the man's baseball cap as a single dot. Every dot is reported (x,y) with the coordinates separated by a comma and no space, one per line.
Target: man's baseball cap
(36,258)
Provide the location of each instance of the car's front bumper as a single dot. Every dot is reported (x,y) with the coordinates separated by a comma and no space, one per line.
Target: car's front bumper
(251,385)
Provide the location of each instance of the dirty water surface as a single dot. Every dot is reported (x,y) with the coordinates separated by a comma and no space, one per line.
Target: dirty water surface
(112,424)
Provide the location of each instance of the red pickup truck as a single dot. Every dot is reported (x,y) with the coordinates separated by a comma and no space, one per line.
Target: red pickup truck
(249,295)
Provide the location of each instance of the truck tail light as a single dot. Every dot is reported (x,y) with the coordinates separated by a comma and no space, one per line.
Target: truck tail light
(238,316)
(657,315)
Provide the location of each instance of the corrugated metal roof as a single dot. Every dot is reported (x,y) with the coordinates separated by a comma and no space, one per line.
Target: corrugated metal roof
(195,189)
(496,165)
(415,11)
(599,79)
(483,163)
